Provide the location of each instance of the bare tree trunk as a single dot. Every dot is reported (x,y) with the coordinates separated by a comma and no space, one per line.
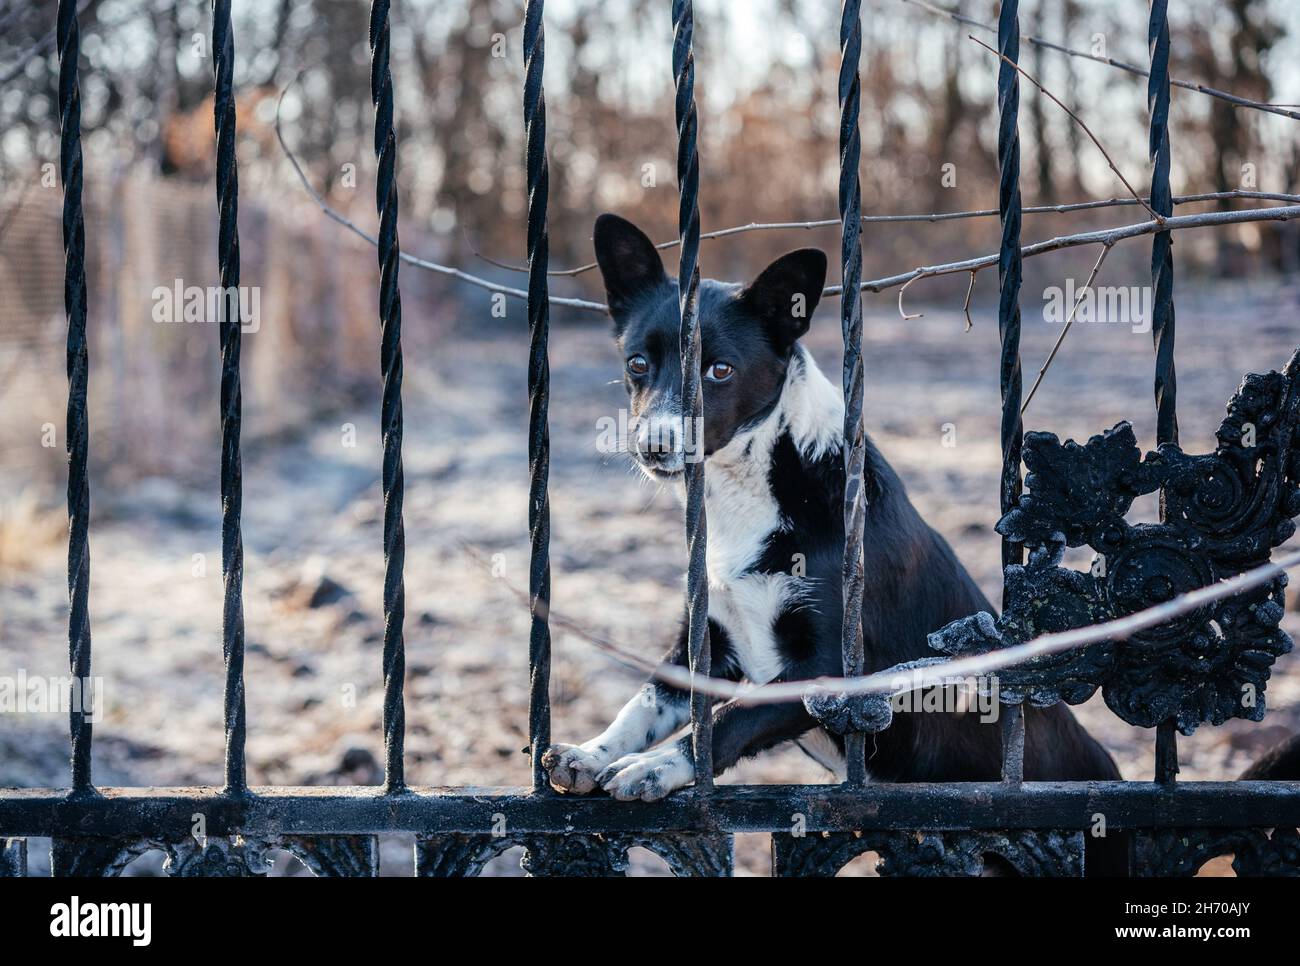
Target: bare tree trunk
(1069,17)
(1043,161)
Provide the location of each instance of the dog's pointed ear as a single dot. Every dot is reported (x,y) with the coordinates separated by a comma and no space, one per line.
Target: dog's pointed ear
(628,262)
(785,294)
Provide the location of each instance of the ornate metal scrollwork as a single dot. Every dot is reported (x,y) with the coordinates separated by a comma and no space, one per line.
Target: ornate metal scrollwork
(233,857)
(1224,512)
(931,854)
(1255,852)
(686,854)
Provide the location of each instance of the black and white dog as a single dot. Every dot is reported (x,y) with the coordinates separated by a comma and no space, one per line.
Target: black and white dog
(774,487)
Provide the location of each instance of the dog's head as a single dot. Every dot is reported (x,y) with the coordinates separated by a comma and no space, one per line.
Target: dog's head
(747,338)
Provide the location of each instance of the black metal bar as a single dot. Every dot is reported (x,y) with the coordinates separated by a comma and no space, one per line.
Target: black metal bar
(1013,743)
(168,812)
(688,280)
(852,576)
(78,360)
(539,387)
(232,481)
(1162,280)
(1009,262)
(390,360)
(1166,752)
(13,854)
(1162,243)
(1009,281)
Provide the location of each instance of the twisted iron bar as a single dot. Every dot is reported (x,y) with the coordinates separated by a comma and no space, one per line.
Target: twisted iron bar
(688,280)
(1010,264)
(539,384)
(1235,100)
(390,359)
(78,361)
(852,575)
(1162,244)
(232,482)
(1009,261)
(1162,310)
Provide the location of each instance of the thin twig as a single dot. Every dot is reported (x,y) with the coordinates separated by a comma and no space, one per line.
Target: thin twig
(970,290)
(408,258)
(1092,277)
(900,681)
(1279,109)
(902,311)
(38,48)
(925,218)
(1112,235)
(1075,117)
(1209,219)
(469,242)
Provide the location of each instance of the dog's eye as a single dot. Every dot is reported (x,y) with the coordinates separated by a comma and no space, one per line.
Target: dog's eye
(721,371)
(638,366)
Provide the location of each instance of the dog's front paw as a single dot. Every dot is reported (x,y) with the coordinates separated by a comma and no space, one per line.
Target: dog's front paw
(572,769)
(842,714)
(647,776)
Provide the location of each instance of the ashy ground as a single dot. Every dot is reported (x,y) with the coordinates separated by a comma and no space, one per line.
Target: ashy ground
(312,528)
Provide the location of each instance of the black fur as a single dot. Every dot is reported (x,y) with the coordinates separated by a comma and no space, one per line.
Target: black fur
(1279,763)
(914,582)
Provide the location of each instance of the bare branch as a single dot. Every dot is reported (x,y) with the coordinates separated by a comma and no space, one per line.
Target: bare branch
(972,265)
(1279,109)
(406,257)
(900,680)
(970,290)
(930,218)
(1092,277)
(39,48)
(1075,117)
(903,312)
(1209,219)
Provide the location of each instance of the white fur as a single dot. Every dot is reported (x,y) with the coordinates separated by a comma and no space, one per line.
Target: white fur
(743,512)
(642,722)
(648,775)
(641,718)
(813,407)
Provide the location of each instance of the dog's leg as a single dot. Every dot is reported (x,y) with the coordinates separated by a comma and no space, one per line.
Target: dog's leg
(738,731)
(653,714)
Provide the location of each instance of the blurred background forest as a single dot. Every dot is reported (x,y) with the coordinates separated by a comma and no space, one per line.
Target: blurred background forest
(769,127)
(769,119)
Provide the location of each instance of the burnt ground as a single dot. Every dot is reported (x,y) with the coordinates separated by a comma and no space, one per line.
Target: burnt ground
(312,528)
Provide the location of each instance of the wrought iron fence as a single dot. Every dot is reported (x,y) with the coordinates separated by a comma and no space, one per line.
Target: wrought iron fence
(1222,514)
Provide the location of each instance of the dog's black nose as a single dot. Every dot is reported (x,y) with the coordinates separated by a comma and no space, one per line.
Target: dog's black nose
(655,457)
(657,439)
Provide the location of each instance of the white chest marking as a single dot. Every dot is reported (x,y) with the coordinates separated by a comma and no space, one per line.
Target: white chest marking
(747,608)
(743,513)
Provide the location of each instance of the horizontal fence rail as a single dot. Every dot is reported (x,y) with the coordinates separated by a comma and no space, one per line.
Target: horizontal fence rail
(168,812)
(1163,827)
